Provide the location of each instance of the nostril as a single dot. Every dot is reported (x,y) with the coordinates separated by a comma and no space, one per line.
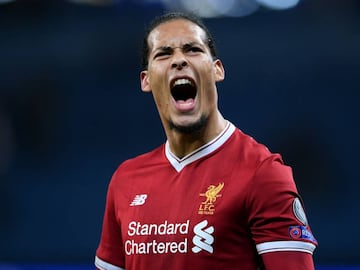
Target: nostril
(179,65)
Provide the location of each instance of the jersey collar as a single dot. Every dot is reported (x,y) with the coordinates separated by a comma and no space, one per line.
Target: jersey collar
(202,151)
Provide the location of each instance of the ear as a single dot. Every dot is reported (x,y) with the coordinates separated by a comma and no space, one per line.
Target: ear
(145,82)
(219,71)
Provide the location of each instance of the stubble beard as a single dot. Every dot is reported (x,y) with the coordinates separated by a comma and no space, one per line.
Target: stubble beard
(193,128)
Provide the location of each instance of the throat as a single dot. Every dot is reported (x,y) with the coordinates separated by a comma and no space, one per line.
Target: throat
(187,138)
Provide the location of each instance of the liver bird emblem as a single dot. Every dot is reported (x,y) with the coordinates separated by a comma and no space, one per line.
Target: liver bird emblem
(212,193)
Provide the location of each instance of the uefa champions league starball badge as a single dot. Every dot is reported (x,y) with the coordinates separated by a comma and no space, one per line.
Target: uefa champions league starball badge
(299,211)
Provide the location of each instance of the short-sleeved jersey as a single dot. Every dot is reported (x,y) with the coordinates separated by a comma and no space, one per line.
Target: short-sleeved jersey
(220,207)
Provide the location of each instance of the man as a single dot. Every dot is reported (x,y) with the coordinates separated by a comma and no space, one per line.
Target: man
(211,197)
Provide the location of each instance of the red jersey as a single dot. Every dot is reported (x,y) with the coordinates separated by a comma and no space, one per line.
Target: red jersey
(220,207)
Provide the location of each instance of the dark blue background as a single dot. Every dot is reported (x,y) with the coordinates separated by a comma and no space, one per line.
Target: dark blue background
(71,110)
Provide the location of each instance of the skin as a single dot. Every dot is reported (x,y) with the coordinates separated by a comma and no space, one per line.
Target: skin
(178,50)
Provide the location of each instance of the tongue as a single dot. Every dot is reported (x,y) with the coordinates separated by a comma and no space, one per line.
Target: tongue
(185,105)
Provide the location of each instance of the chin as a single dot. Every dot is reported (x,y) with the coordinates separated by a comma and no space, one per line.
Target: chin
(190,128)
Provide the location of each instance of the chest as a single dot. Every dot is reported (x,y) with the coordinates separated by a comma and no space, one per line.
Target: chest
(164,203)
(197,214)
(193,193)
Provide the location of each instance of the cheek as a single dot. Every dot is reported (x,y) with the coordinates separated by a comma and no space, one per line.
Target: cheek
(161,100)
(208,72)
(158,79)
(209,95)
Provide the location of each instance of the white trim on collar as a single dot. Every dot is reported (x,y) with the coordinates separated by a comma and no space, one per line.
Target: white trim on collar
(202,151)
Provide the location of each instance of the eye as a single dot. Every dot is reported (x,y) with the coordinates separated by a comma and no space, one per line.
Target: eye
(161,54)
(194,49)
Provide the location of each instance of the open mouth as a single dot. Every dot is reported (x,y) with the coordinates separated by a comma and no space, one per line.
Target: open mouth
(183,89)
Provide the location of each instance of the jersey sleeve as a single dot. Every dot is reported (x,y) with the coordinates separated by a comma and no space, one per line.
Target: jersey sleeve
(276,214)
(109,254)
(288,260)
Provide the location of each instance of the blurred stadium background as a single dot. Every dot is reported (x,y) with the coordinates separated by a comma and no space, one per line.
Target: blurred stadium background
(71,110)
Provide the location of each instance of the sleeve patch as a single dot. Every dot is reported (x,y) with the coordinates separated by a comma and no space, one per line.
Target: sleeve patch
(299,211)
(301,232)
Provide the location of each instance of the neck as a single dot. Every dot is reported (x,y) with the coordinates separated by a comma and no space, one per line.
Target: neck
(182,144)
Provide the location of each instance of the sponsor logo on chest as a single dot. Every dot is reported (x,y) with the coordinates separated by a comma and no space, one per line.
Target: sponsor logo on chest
(171,238)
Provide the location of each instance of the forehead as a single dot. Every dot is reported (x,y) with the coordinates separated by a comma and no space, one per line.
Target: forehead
(176,33)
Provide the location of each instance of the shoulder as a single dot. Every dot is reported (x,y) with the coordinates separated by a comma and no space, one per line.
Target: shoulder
(251,151)
(137,164)
(264,166)
(149,158)
(269,177)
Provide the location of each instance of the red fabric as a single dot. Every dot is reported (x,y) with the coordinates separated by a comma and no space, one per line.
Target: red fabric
(160,217)
(288,260)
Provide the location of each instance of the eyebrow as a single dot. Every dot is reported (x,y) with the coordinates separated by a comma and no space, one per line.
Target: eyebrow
(170,49)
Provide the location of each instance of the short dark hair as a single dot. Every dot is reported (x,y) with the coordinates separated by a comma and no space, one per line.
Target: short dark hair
(173,16)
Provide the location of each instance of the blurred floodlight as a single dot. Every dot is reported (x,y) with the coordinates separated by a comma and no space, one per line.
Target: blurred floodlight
(234,8)
(202,8)
(278,4)
(213,8)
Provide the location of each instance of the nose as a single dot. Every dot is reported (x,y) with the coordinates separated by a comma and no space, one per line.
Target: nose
(179,60)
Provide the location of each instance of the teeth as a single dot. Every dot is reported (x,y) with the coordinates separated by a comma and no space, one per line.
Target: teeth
(181,82)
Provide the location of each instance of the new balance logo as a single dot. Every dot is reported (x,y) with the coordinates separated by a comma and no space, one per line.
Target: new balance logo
(139,200)
(203,238)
